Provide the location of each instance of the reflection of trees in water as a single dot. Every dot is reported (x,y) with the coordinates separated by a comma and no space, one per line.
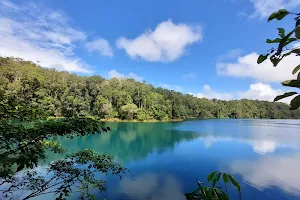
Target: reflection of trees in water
(130,141)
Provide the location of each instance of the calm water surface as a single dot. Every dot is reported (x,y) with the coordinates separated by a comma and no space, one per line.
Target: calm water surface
(166,159)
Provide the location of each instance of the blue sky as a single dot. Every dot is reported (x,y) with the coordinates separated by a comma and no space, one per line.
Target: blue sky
(205,48)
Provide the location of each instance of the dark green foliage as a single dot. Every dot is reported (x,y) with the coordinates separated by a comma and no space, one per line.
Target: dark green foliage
(278,15)
(69,95)
(25,137)
(214,192)
(283,50)
(25,146)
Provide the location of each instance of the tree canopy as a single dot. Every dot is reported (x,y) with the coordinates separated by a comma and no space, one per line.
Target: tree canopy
(64,94)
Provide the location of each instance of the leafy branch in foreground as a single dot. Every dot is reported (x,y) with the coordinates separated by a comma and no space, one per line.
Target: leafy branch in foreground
(75,174)
(214,192)
(24,141)
(285,41)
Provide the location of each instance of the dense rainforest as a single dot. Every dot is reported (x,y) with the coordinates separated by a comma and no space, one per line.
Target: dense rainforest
(64,94)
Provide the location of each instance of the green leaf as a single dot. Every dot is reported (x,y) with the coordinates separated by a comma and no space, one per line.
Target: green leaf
(295,103)
(297,51)
(296,69)
(291,83)
(275,61)
(224,195)
(225,178)
(287,94)
(281,32)
(211,175)
(297,22)
(216,179)
(234,182)
(290,40)
(297,32)
(279,15)
(277,40)
(261,58)
(20,167)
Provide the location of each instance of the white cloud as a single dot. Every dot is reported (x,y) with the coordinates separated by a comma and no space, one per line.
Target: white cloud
(263,8)
(36,33)
(209,93)
(256,91)
(172,87)
(101,46)
(246,66)
(167,42)
(189,76)
(260,91)
(115,74)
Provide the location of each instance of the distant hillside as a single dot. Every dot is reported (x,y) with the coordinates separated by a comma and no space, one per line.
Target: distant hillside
(65,94)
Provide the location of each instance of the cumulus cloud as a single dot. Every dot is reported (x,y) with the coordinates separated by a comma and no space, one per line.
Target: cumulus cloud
(36,33)
(256,91)
(166,43)
(189,76)
(260,91)
(209,93)
(247,67)
(263,8)
(100,46)
(115,74)
(172,87)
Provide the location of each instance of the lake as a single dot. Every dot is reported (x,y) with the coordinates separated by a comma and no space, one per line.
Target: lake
(166,159)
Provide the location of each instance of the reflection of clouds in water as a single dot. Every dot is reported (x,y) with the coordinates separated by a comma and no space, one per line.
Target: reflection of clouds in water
(258,146)
(152,186)
(263,135)
(20,192)
(280,171)
(264,146)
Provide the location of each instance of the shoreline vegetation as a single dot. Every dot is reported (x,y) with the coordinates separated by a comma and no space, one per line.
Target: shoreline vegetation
(62,94)
(154,120)
(146,120)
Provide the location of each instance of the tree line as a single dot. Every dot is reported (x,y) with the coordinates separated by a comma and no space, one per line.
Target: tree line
(64,94)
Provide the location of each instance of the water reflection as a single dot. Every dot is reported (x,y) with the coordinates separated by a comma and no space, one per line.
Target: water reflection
(259,146)
(152,186)
(276,170)
(263,153)
(265,136)
(129,141)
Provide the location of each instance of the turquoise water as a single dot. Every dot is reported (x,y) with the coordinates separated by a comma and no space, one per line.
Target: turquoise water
(166,159)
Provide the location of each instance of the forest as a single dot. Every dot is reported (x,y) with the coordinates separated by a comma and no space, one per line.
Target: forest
(62,94)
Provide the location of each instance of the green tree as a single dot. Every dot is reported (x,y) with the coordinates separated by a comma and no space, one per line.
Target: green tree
(129,111)
(64,95)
